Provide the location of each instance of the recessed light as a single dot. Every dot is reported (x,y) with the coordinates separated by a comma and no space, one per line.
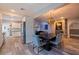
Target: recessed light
(12,10)
(62,17)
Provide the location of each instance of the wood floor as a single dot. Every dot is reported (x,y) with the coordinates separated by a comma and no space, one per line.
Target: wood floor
(71,45)
(15,46)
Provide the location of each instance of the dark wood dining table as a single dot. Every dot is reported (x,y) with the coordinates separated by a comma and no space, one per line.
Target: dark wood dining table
(47,38)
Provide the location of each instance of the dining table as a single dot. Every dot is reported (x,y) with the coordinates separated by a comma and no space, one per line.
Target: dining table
(47,38)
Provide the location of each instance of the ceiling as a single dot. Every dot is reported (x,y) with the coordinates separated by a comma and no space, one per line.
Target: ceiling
(28,9)
(70,11)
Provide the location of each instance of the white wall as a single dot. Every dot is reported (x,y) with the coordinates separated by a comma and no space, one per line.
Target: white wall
(29,29)
(6,29)
(1,39)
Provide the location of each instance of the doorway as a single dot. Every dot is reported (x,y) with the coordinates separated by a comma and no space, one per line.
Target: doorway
(24,32)
(58,27)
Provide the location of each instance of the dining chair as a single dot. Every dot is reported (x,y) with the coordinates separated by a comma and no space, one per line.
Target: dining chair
(37,43)
(57,42)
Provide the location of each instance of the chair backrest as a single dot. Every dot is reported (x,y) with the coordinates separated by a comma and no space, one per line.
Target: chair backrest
(36,40)
(58,38)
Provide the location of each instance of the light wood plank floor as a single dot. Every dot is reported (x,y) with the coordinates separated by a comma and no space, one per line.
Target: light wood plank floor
(71,45)
(13,46)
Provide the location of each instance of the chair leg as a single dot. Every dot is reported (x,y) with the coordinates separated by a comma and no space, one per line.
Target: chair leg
(33,46)
(38,50)
(59,45)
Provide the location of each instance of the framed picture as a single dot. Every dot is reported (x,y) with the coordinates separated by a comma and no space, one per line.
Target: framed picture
(46,26)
